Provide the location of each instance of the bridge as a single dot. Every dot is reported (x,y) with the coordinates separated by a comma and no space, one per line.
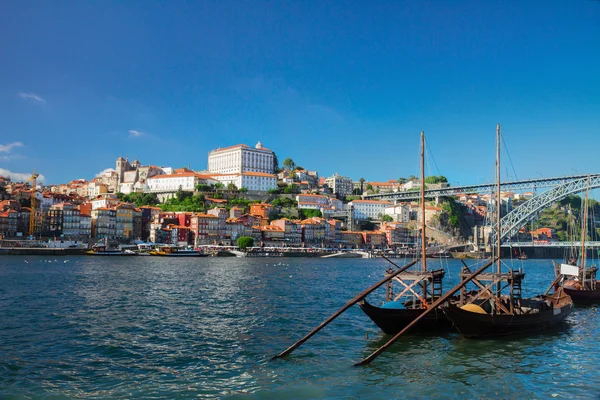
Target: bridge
(528,184)
(514,220)
(549,244)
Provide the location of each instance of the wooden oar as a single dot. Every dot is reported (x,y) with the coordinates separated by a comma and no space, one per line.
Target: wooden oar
(355,300)
(432,307)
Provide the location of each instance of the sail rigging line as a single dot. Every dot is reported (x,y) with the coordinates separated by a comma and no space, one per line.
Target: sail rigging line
(509,159)
(430,153)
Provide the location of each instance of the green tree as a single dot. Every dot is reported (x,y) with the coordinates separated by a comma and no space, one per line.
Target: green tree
(276,164)
(243,189)
(298,168)
(402,181)
(291,189)
(369,187)
(436,179)
(219,185)
(385,218)
(231,186)
(244,242)
(362,182)
(201,187)
(309,213)
(288,163)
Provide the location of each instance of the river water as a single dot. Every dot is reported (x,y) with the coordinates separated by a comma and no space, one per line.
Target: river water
(146,327)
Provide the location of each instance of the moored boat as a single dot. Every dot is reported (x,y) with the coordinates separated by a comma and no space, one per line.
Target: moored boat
(489,312)
(418,289)
(105,251)
(580,281)
(174,251)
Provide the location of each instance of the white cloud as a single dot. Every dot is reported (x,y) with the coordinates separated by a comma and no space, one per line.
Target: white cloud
(5,148)
(133,133)
(31,96)
(101,173)
(19,176)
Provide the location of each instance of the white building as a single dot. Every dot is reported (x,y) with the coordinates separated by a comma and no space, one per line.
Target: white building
(258,181)
(365,209)
(399,212)
(340,185)
(244,166)
(187,181)
(241,158)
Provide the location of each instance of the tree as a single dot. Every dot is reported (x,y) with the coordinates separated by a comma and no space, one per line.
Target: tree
(243,189)
(292,174)
(298,168)
(276,164)
(369,187)
(402,181)
(309,213)
(362,182)
(231,186)
(203,187)
(385,218)
(436,179)
(219,185)
(288,163)
(244,242)
(291,189)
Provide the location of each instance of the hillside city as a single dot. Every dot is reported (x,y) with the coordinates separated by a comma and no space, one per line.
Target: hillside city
(244,192)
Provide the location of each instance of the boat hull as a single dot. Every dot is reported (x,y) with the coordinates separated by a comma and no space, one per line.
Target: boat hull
(583,297)
(475,325)
(393,320)
(179,254)
(109,253)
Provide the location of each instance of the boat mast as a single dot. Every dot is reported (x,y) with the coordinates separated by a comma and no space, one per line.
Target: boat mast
(423,235)
(584,232)
(499,226)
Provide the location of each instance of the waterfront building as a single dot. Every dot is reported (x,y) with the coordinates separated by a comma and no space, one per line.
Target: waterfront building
(104,201)
(236,212)
(104,223)
(340,185)
(272,234)
(205,228)
(9,221)
(351,239)
(374,239)
(124,221)
(291,229)
(364,209)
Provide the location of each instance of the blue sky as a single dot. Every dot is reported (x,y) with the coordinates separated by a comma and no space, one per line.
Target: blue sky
(338,86)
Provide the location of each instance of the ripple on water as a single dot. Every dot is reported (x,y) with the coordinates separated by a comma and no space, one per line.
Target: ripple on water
(150,327)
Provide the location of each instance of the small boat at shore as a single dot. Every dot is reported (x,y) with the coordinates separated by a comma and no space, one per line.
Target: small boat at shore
(174,251)
(105,251)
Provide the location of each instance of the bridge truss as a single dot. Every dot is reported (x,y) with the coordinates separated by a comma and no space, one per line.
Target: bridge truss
(529,184)
(514,220)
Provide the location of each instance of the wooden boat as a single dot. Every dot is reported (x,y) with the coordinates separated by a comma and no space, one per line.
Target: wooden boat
(174,251)
(418,289)
(580,282)
(490,313)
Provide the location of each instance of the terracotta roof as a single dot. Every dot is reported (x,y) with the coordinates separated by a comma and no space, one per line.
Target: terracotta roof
(264,174)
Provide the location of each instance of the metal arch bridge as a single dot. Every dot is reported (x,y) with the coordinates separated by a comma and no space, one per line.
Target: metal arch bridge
(529,184)
(577,245)
(514,220)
